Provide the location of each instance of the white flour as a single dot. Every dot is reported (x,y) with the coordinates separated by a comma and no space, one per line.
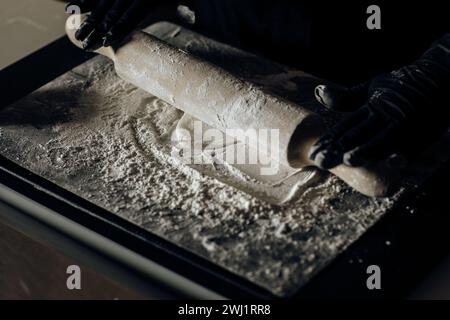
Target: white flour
(109,145)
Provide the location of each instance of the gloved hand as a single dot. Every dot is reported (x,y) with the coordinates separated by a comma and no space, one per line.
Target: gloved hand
(395,113)
(110,21)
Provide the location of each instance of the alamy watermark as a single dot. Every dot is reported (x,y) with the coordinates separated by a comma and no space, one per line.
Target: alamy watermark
(373,282)
(374,19)
(74,21)
(73,281)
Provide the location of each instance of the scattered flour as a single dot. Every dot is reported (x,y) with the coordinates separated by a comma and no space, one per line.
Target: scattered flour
(110,146)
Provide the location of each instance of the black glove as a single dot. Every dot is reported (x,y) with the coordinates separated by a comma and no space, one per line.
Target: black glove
(110,21)
(395,113)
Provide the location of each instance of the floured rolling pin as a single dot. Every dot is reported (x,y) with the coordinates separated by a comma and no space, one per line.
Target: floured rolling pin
(224,101)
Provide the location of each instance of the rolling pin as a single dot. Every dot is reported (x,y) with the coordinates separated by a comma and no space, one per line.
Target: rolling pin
(223,101)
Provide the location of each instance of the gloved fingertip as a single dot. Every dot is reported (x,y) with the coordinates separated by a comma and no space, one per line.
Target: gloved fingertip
(328,159)
(321,96)
(331,97)
(83,32)
(321,145)
(109,39)
(106,42)
(91,44)
(313,151)
(85,45)
(351,159)
(78,35)
(319,90)
(116,34)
